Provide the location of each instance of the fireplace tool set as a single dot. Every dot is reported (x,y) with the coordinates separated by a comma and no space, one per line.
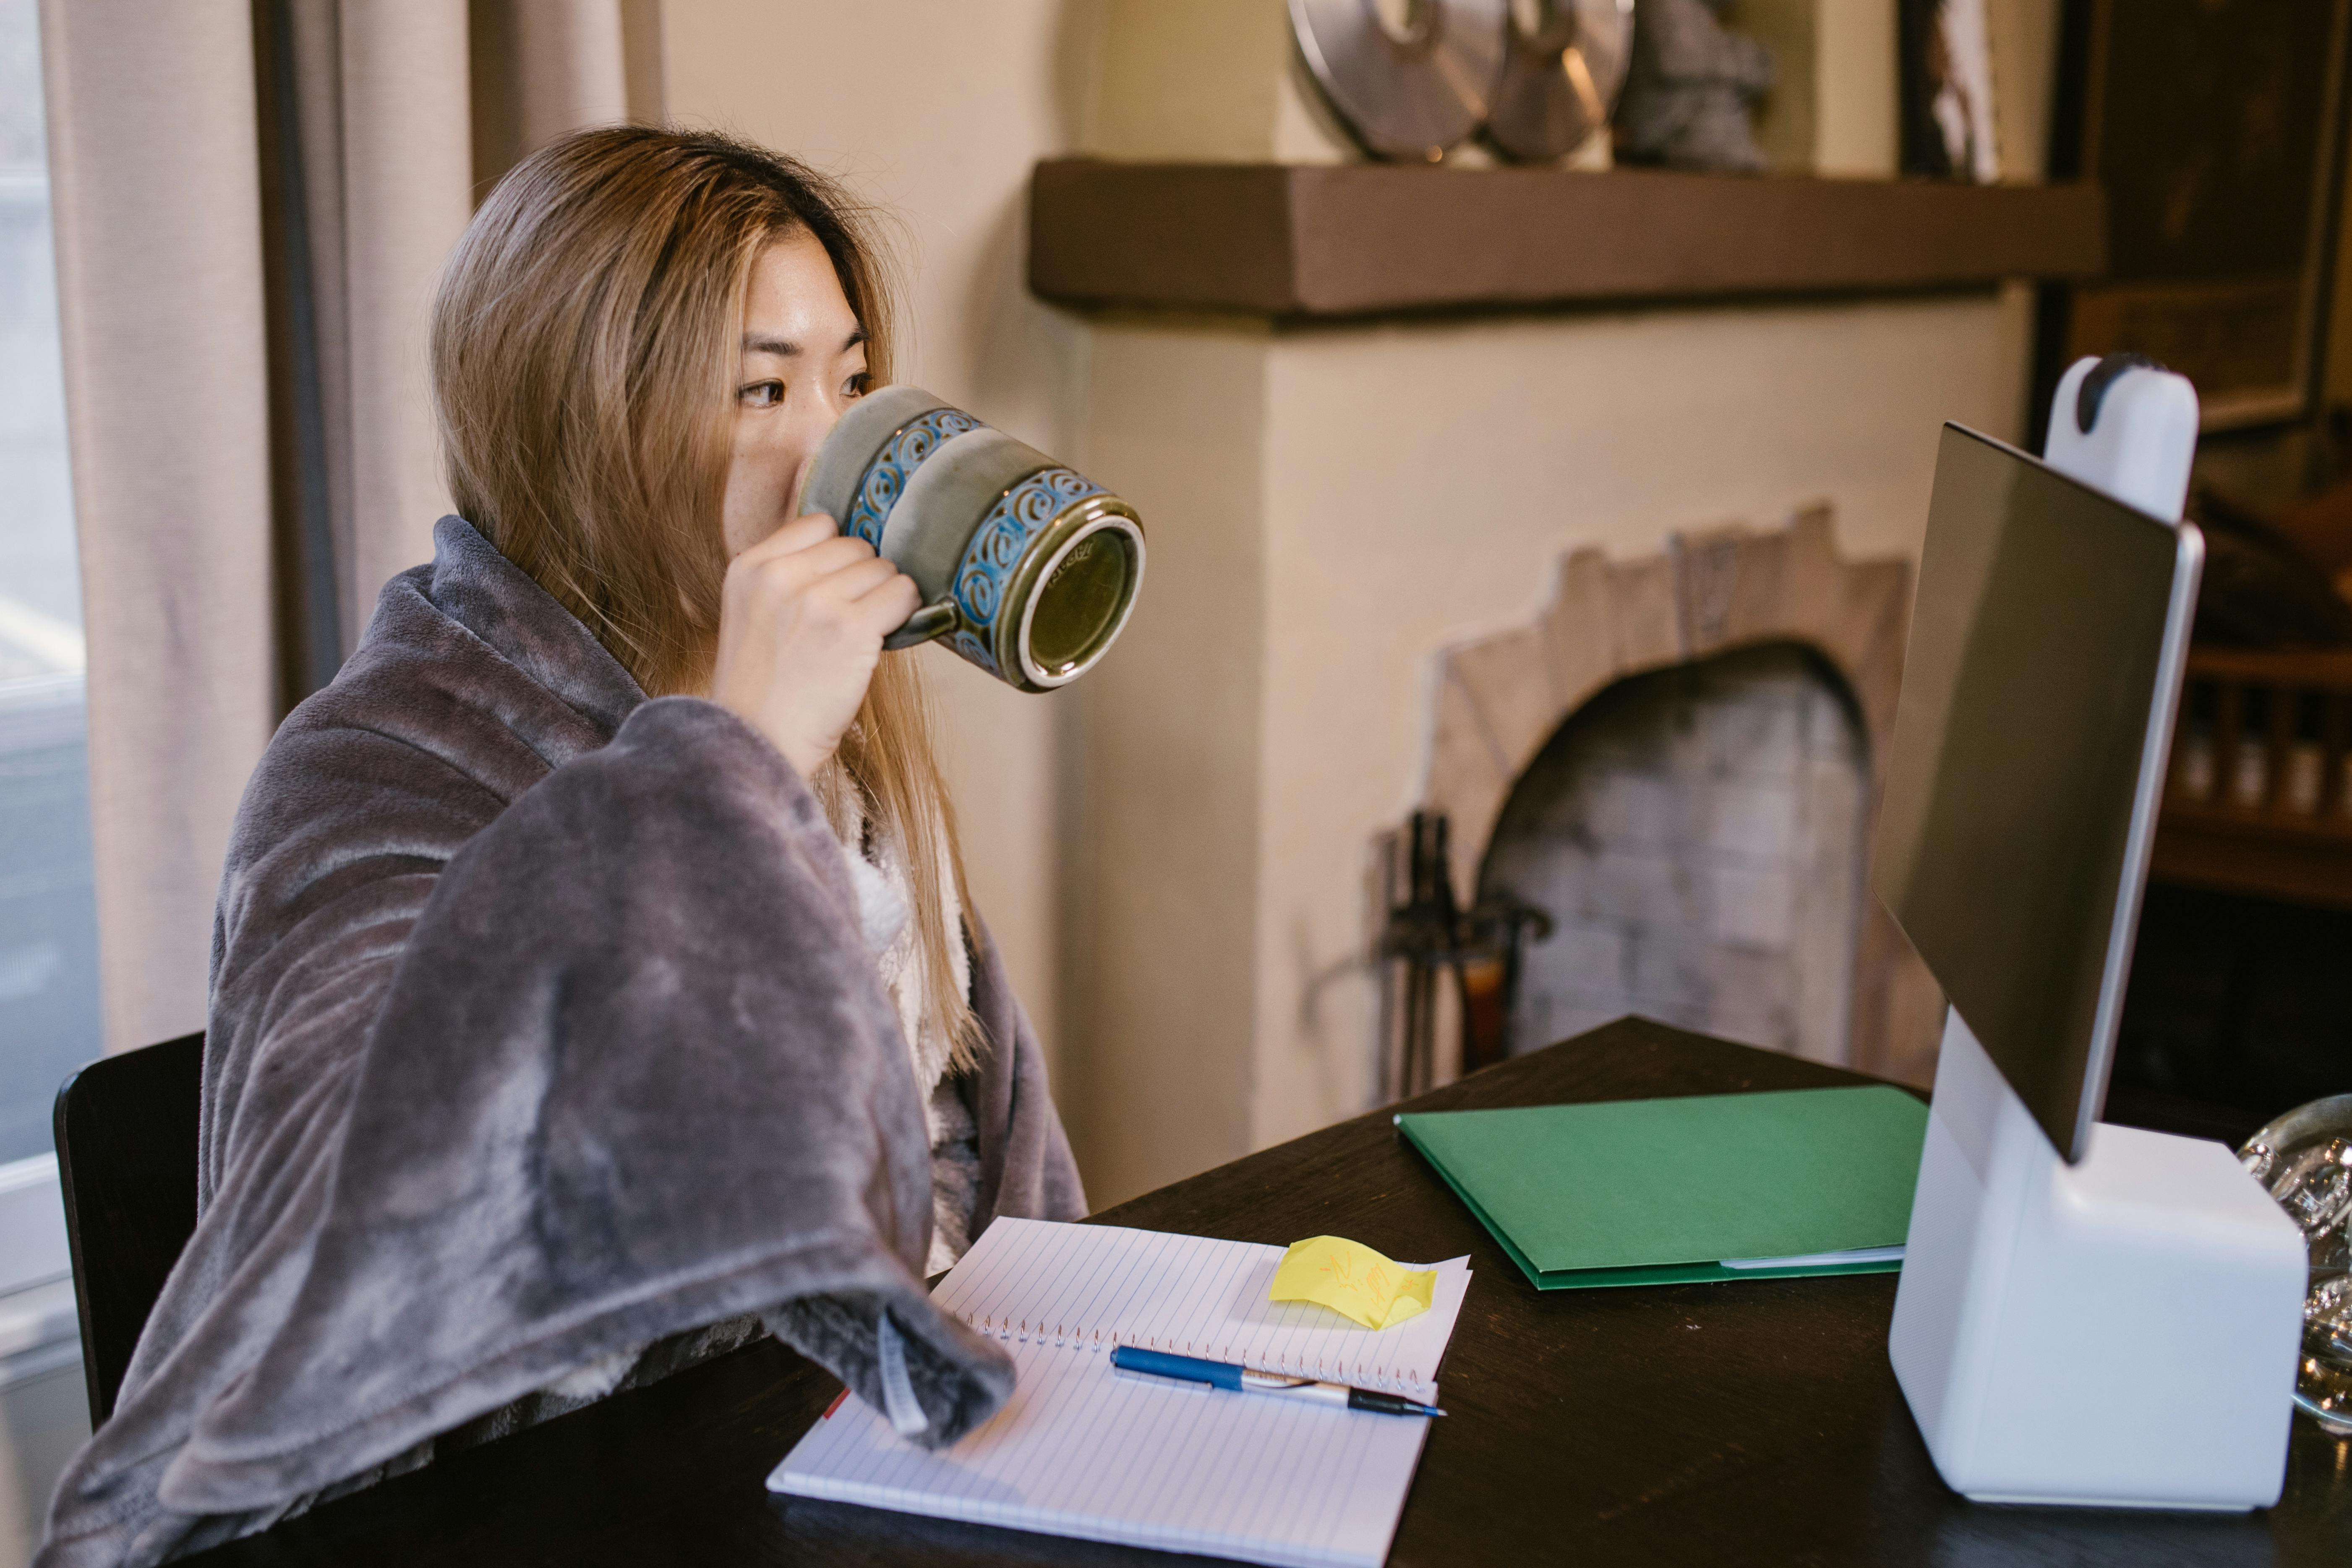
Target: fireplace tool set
(1428,935)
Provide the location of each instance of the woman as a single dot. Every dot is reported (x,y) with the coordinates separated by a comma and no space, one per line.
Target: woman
(591,979)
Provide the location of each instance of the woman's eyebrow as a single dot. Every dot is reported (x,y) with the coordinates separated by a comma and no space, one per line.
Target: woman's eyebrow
(784,348)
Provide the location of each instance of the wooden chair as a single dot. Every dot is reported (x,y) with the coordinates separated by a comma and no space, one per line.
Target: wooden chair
(126,1130)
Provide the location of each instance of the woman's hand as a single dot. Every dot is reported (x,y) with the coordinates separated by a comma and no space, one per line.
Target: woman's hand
(801,623)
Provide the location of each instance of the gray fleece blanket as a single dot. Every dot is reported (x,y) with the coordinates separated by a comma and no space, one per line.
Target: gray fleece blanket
(541,1031)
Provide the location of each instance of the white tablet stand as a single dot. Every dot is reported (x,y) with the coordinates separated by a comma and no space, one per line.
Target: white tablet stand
(2121,1331)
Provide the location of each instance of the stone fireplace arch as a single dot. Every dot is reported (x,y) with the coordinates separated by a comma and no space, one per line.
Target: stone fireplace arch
(1499,699)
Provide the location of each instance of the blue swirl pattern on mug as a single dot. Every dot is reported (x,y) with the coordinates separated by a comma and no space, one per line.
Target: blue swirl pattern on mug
(995,549)
(972,649)
(901,455)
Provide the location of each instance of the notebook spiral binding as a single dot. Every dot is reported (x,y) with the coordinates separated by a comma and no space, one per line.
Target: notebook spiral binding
(1407,1381)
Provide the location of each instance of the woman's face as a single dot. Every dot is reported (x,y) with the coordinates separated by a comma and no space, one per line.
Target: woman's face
(804,360)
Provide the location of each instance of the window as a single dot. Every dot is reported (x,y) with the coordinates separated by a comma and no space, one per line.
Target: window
(48,918)
(48,926)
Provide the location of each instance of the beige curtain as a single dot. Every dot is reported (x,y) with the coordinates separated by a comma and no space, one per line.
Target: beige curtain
(252,203)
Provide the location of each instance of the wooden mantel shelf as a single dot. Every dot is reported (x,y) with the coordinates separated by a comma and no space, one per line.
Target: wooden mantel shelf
(1306,241)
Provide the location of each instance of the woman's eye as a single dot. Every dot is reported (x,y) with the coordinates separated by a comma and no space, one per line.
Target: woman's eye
(857,385)
(763,393)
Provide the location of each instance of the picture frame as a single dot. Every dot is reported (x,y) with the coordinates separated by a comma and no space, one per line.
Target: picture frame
(2217,132)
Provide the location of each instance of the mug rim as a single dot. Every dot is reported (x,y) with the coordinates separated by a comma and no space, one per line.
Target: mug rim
(1082,520)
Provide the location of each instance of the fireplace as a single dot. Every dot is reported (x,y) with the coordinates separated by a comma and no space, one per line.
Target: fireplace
(1694,836)
(1676,763)
(1357,526)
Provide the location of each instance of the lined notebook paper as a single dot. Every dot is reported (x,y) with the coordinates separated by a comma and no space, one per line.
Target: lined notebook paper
(1083,1451)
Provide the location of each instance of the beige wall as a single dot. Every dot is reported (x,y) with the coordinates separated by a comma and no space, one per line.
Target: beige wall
(1204,79)
(2024,75)
(1161,983)
(935,113)
(1831,110)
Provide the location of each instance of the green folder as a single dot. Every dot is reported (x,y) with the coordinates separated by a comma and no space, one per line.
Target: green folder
(1657,1192)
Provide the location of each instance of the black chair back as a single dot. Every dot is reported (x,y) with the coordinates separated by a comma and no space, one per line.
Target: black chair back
(126,1128)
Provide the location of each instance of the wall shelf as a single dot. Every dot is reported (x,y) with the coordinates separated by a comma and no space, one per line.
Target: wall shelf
(1301,242)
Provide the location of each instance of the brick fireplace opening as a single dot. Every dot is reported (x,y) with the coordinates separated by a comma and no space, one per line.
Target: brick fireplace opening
(1696,837)
(1678,762)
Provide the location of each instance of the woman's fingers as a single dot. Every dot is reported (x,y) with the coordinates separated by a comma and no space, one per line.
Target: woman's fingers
(800,625)
(838,581)
(821,561)
(896,588)
(811,559)
(852,582)
(890,602)
(874,603)
(800,534)
(786,575)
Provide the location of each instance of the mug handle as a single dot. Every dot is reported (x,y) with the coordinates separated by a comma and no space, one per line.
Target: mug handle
(936,619)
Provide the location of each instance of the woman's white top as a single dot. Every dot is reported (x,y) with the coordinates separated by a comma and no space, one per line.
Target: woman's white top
(885,904)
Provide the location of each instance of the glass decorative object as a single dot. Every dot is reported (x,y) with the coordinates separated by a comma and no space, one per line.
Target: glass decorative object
(2303,1160)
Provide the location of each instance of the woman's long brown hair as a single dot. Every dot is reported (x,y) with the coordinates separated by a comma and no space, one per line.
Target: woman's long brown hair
(585,351)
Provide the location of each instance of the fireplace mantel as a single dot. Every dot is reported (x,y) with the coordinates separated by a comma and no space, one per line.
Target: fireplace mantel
(1305,241)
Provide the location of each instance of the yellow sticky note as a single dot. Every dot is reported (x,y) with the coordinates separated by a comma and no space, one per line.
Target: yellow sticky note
(1353,1280)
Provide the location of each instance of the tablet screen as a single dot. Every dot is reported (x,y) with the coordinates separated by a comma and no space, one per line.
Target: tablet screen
(2028,756)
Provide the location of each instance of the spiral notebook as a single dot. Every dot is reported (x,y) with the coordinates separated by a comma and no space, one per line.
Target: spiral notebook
(1083,1451)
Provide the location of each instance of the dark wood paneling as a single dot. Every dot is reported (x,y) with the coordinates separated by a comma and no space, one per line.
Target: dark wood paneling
(2253,857)
(1365,238)
(1755,1422)
(2268,848)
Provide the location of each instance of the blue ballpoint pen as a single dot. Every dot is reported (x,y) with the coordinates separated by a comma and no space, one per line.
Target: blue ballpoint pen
(1227,1374)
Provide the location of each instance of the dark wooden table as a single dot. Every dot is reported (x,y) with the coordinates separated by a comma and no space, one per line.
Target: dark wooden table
(1755,1422)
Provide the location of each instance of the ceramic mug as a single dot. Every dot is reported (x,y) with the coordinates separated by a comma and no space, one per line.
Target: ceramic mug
(1028,568)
